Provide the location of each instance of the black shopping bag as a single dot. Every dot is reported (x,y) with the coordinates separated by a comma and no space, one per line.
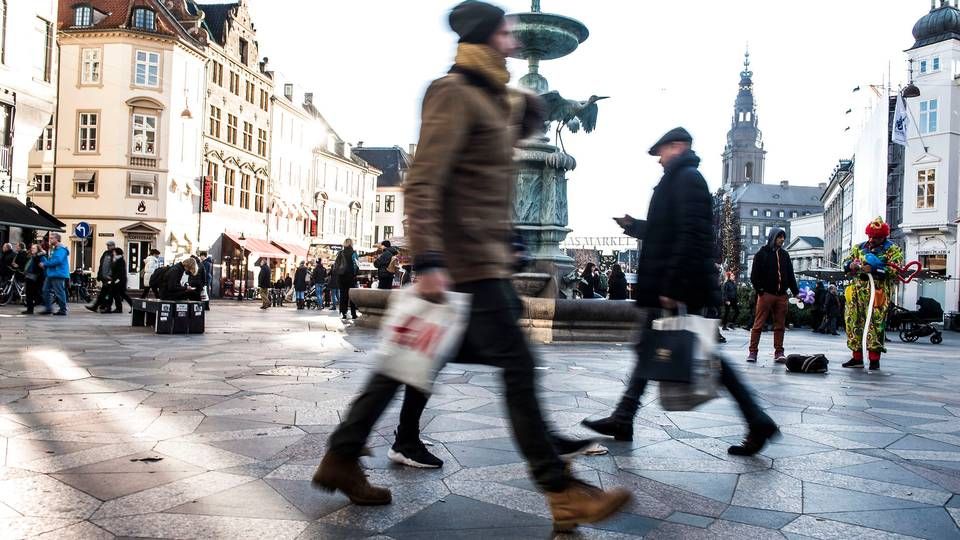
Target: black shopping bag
(667,355)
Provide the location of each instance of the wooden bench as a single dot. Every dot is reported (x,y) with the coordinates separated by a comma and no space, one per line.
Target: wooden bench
(170,316)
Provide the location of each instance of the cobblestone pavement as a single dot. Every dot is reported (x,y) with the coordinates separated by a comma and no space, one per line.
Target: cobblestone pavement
(107,430)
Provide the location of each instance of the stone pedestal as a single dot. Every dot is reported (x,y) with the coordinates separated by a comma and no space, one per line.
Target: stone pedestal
(540,210)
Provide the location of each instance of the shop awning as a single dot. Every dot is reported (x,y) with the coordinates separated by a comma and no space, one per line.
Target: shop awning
(259,248)
(14,213)
(293,249)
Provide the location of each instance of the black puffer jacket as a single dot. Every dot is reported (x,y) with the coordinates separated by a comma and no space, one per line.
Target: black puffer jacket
(765,276)
(263,279)
(677,256)
(300,279)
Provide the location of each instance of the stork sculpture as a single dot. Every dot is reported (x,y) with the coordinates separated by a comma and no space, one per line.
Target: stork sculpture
(571,114)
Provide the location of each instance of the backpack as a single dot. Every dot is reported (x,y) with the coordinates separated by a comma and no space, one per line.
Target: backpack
(159,276)
(394,265)
(802,363)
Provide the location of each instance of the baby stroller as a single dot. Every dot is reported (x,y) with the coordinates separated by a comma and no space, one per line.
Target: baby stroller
(914,325)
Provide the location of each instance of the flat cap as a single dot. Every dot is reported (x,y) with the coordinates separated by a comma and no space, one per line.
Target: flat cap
(677,134)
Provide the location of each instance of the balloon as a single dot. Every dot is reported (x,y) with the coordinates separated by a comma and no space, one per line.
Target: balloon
(807,295)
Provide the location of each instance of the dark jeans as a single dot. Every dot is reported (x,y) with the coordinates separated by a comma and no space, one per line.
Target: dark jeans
(103,296)
(119,293)
(829,325)
(385,281)
(727,308)
(55,290)
(345,301)
(492,338)
(33,294)
(630,401)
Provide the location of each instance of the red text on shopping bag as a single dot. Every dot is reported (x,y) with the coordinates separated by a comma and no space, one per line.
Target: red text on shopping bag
(417,334)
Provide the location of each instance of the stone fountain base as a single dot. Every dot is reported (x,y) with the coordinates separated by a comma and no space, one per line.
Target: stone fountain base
(545,320)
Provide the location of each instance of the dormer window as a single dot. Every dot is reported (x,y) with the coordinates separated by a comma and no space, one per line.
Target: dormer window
(83,16)
(144,19)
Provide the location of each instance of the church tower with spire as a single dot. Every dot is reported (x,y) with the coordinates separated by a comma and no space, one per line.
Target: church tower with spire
(743,155)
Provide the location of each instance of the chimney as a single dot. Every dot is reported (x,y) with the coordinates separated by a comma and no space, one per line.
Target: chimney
(360,144)
(412,149)
(308,98)
(784,184)
(288,91)
(822,185)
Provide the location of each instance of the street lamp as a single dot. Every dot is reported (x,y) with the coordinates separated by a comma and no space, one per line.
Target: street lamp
(242,265)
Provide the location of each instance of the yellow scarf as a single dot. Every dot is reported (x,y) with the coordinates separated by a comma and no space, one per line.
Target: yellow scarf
(485,61)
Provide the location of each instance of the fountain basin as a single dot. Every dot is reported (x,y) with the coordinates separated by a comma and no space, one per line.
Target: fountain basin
(545,36)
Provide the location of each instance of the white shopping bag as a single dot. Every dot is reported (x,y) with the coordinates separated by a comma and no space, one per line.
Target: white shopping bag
(418,337)
(706,365)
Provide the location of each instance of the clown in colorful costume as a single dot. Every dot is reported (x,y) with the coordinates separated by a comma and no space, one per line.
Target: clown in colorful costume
(874,257)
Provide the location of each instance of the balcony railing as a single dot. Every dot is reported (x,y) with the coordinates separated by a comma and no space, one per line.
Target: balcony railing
(6,159)
(146,162)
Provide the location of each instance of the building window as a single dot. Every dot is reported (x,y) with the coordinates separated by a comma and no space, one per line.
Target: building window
(755,230)
(247,136)
(142,185)
(923,66)
(90,66)
(755,241)
(45,142)
(216,73)
(215,122)
(231,129)
(767,213)
(43,183)
(144,19)
(145,134)
(377,203)
(928,116)
(82,16)
(748,171)
(781,213)
(244,59)
(926,188)
(935,63)
(84,183)
(213,171)
(147,69)
(234,83)
(229,186)
(264,100)
(250,93)
(245,191)
(793,214)
(44,64)
(754,212)
(388,203)
(262,142)
(387,232)
(259,195)
(87,133)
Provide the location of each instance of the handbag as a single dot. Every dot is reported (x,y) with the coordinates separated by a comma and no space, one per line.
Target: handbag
(667,351)
(418,337)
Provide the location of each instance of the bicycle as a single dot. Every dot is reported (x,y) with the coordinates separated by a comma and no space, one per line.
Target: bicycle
(11,287)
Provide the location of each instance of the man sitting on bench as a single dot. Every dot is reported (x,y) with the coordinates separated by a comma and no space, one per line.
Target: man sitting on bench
(172,286)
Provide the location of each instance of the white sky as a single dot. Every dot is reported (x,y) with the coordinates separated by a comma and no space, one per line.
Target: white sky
(664,64)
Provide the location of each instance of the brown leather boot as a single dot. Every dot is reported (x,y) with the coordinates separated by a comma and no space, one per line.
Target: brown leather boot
(582,503)
(338,472)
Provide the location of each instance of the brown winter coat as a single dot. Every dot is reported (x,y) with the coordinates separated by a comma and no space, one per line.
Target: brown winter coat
(459,194)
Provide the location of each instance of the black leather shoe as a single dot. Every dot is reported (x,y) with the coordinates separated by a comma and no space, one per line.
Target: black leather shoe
(756,439)
(611,428)
(853,363)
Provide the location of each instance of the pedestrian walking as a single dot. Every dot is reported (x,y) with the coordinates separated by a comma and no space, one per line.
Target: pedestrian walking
(208,273)
(731,302)
(300,285)
(150,265)
(56,264)
(831,312)
(386,265)
(346,267)
(676,267)
(771,277)
(459,197)
(103,276)
(33,275)
(873,258)
(263,282)
(319,279)
(118,281)
(618,283)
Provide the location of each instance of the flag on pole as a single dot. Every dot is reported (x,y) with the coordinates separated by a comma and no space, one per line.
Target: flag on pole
(900,122)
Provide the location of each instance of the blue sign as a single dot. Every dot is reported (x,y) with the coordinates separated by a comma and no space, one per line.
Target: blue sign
(82,230)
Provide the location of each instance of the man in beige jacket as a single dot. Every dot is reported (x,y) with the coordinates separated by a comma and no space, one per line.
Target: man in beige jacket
(459,198)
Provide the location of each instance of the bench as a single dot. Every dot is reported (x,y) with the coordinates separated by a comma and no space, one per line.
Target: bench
(170,316)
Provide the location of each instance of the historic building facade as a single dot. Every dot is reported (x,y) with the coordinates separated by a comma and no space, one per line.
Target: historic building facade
(28,90)
(743,156)
(127,134)
(395,162)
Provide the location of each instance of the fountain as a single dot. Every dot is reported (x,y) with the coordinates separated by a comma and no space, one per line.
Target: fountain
(540,208)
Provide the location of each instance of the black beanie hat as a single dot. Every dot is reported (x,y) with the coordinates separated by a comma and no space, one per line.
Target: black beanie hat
(475,21)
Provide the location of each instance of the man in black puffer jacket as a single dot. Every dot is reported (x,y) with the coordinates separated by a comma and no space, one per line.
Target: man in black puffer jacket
(771,276)
(677,266)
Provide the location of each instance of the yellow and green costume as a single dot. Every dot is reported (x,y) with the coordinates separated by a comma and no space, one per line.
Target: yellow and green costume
(857,294)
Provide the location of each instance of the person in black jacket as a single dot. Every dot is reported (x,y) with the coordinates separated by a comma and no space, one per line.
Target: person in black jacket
(171,285)
(345,267)
(730,302)
(300,284)
(618,283)
(818,313)
(118,281)
(677,267)
(33,275)
(103,276)
(831,312)
(319,279)
(263,282)
(771,276)
(589,282)
(382,264)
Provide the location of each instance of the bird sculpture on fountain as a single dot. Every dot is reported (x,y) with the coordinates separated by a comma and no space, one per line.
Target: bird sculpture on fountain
(571,114)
